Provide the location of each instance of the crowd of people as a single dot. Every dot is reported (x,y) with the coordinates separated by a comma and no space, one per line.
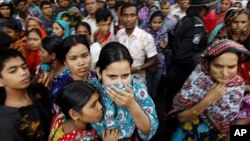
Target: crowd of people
(95,69)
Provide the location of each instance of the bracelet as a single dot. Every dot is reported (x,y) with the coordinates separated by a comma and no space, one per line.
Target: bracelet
(138,69)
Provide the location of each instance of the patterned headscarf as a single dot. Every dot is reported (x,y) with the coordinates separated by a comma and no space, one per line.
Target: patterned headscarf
(226,31)
(41,28)
(221,46)
(222,112)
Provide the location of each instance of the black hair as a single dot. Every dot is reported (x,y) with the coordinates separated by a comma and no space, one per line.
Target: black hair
(127,5)
(118,4)
(70,42)
(102,14)
(113,52)
(6,54)
(5,40)
(19,1)
(157,13)
(85,25)
(52,44)
(13,24)
(195,10)
(74,95)
(45,3)
(102,2)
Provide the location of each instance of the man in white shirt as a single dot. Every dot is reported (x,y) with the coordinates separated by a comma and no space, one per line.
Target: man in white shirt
(139,43)
(91,7)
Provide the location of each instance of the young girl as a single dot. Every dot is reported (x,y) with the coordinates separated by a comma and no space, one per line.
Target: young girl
(161,39)
(61,29)
(79,103)
(35,38)
(127,105)
(14,29)
(83,28)
(75,54)
(25,114)
(49,55)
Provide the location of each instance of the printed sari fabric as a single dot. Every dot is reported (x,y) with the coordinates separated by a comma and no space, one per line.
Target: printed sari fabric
(214,122)
(76,135)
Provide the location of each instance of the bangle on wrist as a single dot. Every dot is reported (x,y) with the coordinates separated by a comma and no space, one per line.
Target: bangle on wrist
(138,69)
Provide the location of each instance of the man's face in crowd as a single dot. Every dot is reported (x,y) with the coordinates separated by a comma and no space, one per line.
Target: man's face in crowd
(129,17)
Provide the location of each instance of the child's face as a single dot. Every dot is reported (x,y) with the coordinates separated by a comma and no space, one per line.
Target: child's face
(12,33)
(57,30)
(165,9)
(225,5)
(34,41)
(92,111)
(5,11)
(78,60)
(15,74)
(104,26)
(117,72)
(32,24)
(46,58)
(156,23)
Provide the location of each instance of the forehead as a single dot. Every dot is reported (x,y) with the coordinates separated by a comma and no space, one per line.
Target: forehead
(21,3)
(108,21)
(242,16)
(32,21)
(90,1)
(77,49)
(13,61)
(7,29)
(33,34)
(227,58)
(4,7)
(46,5)
(118,67)
(129,10)
(56,25)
